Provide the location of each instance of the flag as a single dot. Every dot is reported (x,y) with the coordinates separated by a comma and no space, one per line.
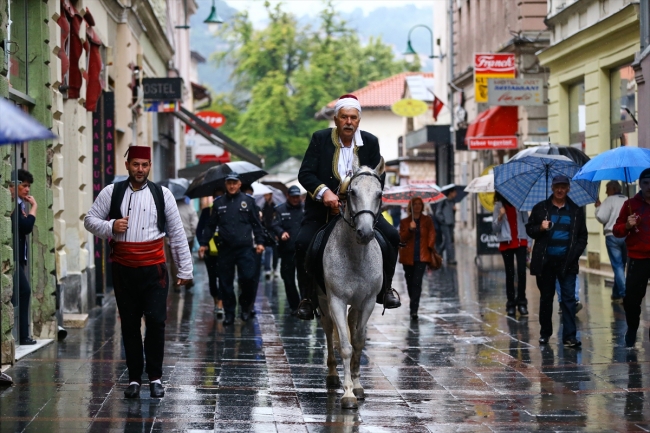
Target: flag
(437,107)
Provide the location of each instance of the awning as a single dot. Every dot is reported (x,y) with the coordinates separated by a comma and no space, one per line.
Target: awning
(495,128)
(217,137)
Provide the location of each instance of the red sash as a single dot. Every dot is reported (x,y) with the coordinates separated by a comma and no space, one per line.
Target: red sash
(138,254)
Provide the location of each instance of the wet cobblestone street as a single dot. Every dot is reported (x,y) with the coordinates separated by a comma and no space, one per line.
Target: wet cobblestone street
(464,366)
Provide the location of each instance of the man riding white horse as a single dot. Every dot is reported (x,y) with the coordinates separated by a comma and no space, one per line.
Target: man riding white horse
(330,158)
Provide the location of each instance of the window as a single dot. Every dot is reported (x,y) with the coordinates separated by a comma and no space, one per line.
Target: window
(17,45)
(577,113)
(622,107)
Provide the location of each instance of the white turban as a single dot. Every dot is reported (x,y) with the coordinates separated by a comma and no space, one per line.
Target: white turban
(350,102)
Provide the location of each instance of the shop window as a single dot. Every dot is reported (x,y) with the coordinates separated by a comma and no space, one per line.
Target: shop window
(17,46)
(622,107)
(577,113)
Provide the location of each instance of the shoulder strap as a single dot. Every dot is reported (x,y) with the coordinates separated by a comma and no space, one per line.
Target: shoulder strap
(159,200)
(119,189)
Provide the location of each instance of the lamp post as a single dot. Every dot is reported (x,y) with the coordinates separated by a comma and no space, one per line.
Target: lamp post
(213,20)
(410,53)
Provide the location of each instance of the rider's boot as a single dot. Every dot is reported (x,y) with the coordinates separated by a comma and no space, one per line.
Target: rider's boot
(307,308)
(389,298)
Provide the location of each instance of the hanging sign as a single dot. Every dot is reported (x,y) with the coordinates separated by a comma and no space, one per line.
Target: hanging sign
(409,107)
(515,91)
(212,118)
(163,89)
(491,65)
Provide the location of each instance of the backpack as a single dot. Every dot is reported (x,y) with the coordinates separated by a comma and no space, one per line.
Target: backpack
(118,195)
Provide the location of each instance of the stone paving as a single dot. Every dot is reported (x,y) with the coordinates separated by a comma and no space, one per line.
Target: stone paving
(464,366)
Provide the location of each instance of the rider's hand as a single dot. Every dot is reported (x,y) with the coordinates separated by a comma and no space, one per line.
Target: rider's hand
(120,226)
(330,199)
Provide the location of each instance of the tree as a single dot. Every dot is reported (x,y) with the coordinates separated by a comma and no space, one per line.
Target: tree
(285,73)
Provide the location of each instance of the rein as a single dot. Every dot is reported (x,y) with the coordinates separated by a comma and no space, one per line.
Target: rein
(346,196)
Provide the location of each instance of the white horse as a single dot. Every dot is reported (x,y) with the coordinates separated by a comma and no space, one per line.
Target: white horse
(353,273)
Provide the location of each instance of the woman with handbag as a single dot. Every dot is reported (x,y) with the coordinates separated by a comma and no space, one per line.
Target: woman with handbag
(418,235)
(509,225)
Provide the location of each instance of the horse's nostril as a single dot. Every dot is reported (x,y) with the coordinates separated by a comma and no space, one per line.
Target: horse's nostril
(359,233)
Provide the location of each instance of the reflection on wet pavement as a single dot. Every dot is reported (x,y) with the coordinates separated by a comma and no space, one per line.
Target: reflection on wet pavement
(464,366)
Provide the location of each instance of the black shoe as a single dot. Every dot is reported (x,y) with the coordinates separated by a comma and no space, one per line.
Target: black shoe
(305,310)
(245,316)
(572,342)
(27,341)
(511,311)
(543,340)
(630,339)
(156,390)
(414,317)
(229,320)
(133,391)
(391,299)
(523,310)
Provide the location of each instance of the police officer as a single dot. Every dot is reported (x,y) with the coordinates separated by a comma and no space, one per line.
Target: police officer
(235,215)
(286,225)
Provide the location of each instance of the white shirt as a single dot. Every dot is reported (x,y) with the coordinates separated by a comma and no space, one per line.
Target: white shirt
(140,207)
(345,164)
(608,212)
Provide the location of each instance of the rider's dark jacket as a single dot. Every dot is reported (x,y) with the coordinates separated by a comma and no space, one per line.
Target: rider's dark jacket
(319,167)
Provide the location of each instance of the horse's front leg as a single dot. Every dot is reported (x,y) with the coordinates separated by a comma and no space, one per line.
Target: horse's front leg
(338,311)
(357,321)
(333,381)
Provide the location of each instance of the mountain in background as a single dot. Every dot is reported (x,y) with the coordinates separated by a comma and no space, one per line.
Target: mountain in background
(392,24)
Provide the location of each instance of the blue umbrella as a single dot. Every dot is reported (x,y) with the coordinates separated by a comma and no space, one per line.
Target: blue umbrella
(623,163)
(524,182)
(17,126)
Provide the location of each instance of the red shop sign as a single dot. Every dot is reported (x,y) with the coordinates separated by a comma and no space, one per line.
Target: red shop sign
(502,65)
(492,143)
(212,118)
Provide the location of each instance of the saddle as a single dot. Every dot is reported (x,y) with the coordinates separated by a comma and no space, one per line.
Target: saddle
(314,256)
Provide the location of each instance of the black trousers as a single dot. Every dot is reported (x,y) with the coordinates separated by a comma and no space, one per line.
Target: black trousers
(309,228)
(142,291)
(248,266)
(24,295)
(288,274)
(212,265)
(638,273)
(546,285)
(413,274)
(509,261)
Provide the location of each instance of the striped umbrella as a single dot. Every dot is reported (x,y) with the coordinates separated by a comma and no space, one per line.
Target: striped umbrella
(404,194)
(524,182)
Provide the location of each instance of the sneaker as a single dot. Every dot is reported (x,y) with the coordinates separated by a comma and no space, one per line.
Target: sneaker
(572,342)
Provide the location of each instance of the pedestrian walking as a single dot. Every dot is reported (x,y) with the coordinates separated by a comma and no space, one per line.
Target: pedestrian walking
(190,220)
(271,245)
(633,224)
(509,225)
(330,158)
(559,229)
(209,255)
(236,217)
(418,236)
(26,221)
(446,217)
(607,213)
(286,225)
(136,214)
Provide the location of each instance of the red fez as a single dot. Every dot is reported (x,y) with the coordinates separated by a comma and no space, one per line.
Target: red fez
(349,95)
(138,152)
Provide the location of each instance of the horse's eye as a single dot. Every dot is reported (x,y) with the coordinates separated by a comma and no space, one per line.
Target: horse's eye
(379,194)
(353,192)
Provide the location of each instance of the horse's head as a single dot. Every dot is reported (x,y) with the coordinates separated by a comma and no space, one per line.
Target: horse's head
(364,201)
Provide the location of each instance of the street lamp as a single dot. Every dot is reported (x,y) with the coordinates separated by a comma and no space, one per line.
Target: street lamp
(213,20)
(410,53)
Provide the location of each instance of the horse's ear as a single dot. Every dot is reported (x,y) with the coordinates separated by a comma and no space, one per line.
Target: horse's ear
(381,167)
(355,166)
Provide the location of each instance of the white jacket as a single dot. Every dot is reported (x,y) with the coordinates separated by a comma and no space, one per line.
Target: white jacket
(189,218)
(608,212)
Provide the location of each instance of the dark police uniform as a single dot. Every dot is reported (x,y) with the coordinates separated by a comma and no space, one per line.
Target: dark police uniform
(288,218)
(238,222)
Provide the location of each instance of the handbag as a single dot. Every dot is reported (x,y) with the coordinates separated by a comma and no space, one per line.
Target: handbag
(436,260)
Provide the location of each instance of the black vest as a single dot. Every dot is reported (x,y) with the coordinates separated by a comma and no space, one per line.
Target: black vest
(156,191)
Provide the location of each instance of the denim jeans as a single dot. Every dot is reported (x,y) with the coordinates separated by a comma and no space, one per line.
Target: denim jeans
(559,292)
(617,251)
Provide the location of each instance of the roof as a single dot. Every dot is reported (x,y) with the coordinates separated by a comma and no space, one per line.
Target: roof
(384,93)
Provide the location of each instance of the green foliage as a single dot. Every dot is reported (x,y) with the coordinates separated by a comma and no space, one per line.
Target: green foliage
(283,74)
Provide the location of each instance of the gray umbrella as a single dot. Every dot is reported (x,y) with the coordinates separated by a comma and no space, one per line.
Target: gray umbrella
(176,186)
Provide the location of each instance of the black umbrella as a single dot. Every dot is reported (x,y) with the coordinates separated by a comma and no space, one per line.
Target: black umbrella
(204,186)
(460,191)
(574,154)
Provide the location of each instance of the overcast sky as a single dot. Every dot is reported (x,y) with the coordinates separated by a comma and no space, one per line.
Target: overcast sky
(256,11)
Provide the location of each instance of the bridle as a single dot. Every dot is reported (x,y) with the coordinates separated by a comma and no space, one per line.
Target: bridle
(343,194)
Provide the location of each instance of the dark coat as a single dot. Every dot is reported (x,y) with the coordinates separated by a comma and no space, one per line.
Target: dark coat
(25,227)
(238,220)
(319,167)
(578,236)
(287,218)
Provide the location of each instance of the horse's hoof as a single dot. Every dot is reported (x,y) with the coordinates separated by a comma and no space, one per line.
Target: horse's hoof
(349,403)
(359,393)
(333,382)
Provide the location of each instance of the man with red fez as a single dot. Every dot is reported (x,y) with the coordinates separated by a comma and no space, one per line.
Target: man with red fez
(330,157)
(136,214)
